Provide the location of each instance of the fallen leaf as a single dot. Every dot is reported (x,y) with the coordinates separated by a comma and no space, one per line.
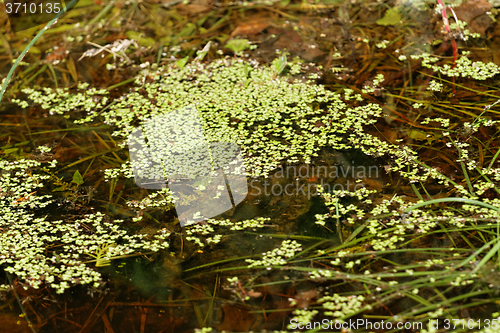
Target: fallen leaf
(254,294)
(311,51)
(193,8)
(289,42)
(319,123)
(250,28)
(303,298)
(390,135)
(236,319)
(391,17)
(473,12)
(416,134)
(72,69)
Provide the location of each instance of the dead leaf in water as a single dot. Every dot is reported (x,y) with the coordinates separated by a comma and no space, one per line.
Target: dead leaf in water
(288,39)
(236,319)
(193,8)
(254,294)
(311,51)
(252,27)
(473,12)
(303,298)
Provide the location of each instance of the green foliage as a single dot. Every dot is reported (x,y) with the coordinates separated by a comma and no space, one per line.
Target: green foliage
(200,55)
(38,249)
(391,17)
(464,67)
(279,64)
(278,119)
(238,45)
(61,253)
(182,62)
(273,119)
(77,178)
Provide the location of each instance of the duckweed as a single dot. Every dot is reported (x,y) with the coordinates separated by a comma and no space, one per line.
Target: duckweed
(58,253)
(273,119)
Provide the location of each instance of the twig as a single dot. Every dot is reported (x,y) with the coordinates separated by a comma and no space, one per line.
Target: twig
(453,42)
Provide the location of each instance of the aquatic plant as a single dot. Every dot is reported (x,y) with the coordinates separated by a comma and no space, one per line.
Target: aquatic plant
(463,67)
(40,250)
(5,82)
(286,118)
(273,119)
(278,255)
(197,231)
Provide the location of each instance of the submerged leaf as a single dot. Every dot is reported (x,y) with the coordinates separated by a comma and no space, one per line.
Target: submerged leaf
(252,27)
(77,178)
(417,134)
(391,17)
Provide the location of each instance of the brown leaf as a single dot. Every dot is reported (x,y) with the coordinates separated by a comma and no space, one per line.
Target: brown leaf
(252,27)
(193,8)
(288,40)
(72,69)
(13,324)
(236,319)
(473,12)
(255,294)
(305,297)
(390,135)
(319,123)
(311,51)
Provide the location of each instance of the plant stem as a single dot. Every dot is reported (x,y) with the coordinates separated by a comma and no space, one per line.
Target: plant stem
(33,41)
(20,303)
(464,200)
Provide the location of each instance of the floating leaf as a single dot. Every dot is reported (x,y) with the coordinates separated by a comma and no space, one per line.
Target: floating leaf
(391,17)
(417,134)
(59,189)
(279,64)
(77,178)
(182,62)
(238,45)
(202,53)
